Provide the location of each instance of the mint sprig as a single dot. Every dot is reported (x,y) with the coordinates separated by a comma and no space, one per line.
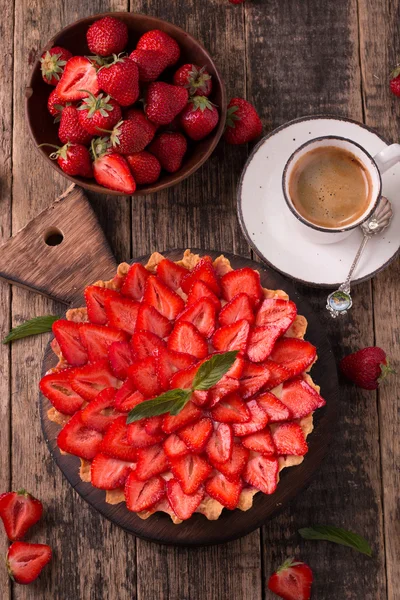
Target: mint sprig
(173,401)
(337,536)
(31,327)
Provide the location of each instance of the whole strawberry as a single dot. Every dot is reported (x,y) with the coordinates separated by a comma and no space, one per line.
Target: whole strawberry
(107,36)
(144,130)
(145,167)
(70,128)
(242,123)
(55,105)
(366,368)
(236,1)
(196,79)
(169,148)
(158,40)
(111,169)
(73,159)
(123,137)
(292,581)
(395,81)
(120,79)
(98,112)
(199,117)
(52,64)
(164,102)
(151,63)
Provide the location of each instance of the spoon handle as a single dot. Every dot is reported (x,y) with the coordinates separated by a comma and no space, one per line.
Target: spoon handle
(345,287)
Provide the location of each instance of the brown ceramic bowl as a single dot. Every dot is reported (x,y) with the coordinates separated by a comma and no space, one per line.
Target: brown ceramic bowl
(73,38)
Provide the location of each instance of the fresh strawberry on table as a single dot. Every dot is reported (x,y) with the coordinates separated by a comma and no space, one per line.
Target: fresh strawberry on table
(107,36)
(169,148)
(164,102)
(79,78)
(243,123)
(98,112)
(19,511)
(70,129)
(111,169)
(25,561)
(196,79)
(292,581)
(151,63)
(52,63)
(120,79)
(161,41)
(73,159)
(199,117)
(367,367)
(395,81)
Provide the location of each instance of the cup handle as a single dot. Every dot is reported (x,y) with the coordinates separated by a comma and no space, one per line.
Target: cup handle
(388,157)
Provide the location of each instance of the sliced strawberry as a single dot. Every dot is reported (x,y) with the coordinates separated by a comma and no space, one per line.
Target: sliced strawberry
(19,511)
(145,343)
(232,468)
(120,357)
(261,442)
(151,461)
(69,340)
(122,313)
(226,385)
(196,435)
(185,338)
(143,374)
(191,471)
(202,314)
(153,425)
(289,439)
(149,319)
(108,473)
(183,379)
(115,442)
(98,338)
(258,420)
(57,388)
(253,378)
(169,362)
(231,409)
(142,495)
(232,337)
(78,79)
(277,374)
(300,398)
(262,473)
(183,504)
(138,436)
(95,297)
(225,491)
(173,446)
(201,290)
(236,369)
(205,272)
(135,281)
(275,311)
(235,282)
(188,414)
(294,354)
(275,409)
(25,561)
(165,300)
(239,308)
(100,412)
(170,273)
(262,341)
(90,380)
(127,397)
(76,438)
(219,446)
(200,397)
(292,581)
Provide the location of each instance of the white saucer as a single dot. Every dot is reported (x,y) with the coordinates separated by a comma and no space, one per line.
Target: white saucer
(267,222)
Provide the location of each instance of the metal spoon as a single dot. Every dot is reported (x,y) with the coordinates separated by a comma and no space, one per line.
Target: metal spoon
(339,301)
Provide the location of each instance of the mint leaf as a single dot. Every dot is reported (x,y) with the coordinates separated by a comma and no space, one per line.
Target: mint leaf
(32,327)
(172,401)
(213,369)
(338,536)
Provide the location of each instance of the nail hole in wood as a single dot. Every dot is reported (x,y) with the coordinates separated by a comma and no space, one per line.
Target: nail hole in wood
(53,237)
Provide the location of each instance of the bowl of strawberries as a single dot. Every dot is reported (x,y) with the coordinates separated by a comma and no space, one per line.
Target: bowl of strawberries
(123,104)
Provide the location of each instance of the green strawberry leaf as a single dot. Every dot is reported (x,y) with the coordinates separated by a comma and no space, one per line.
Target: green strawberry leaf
(32,327)
(338,536)
(211,371)
(172,401)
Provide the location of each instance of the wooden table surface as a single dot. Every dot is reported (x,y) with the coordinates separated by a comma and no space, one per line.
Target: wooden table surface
(291,58)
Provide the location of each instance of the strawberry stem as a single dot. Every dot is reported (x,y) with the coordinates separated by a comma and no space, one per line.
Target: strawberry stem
(386,370)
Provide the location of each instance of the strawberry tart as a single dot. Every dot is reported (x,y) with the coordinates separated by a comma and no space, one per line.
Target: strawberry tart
(183,387)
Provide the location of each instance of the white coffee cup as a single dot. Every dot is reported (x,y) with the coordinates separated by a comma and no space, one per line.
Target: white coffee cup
(375,166)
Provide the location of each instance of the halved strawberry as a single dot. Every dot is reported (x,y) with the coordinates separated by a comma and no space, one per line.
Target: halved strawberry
(201,290)
(183,379)
(231,409)
(57,388)
(253,378)
(236,369)
(25,561)
(187,415)
(138,436)
(246,279)
(240,307)
(226,385)
(292,581)
(170,273)
(219,446)
(98,338)
(262,473)
(275,311)
(69,340)
(232,468)
(191,471)
(168,363)
(100,412)
(127,397)
(135,281)
(300,398)
(275,409)
(261,442)
(145,343)
(122,313)
(115,442)
(289,439)
(120,357)
(196,435)
(261,342)
(153,425)
(174,446)
(19,511)
(258,420)
(185,338)
(143,374)
(107,473)
(202,315)
(76,438)
(232,337)
(95,297)
(294,354)
(90,380)
(142,495)
(225,491)
(149,319)
(183,504)
(151,461)
(79,78)
(165,300)
(277,374)
(205,272)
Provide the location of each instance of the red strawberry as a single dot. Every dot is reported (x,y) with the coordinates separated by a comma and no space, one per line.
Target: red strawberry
(225,491)
(127,397)
(205,272)
(120,79)
(292,581)
(236,1)
(158,40)
(232,468)
(199,117)
(225,386)
(120,357)
(73,159)
(242,123)
(100,412)
(98,338)
(145,167)
(258,420)
(173,446)
(169,148)
(275,409)
(69,340)
(142,495)
(164,300)
(115,442)
(183,505)
(261,342)
(170,273)
(70,128)
(95,297)
(231,410)
(79,78)
(98,112)
(196,434)
(262,473)
(184,378)
(151,461)
(187,415)
(164,102)
(123,138)
(169,362)
(202,315)
(186,338)
(191,471)
(153,425)
(234,282)
(25,561)
(200,290)
(366,368)
(143,374)
(90,380)
(52,64)
(240,307)
(138,437)
(253,378)
(151,63)
(261,442)
(275,311)
(294,354)
(107,473)
(76,438)
(112,171)
(135,281)
(57,388)
(145,343)
(219,446)
(232,337)
(196,79)
(122,313)
(19,511)
(277,374)
(107,36)
(289,439)
(300,398)
(55,105)
(236,370)
(149,319)
(142,130)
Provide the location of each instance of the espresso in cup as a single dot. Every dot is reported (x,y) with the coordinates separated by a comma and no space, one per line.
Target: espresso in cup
(330,187)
